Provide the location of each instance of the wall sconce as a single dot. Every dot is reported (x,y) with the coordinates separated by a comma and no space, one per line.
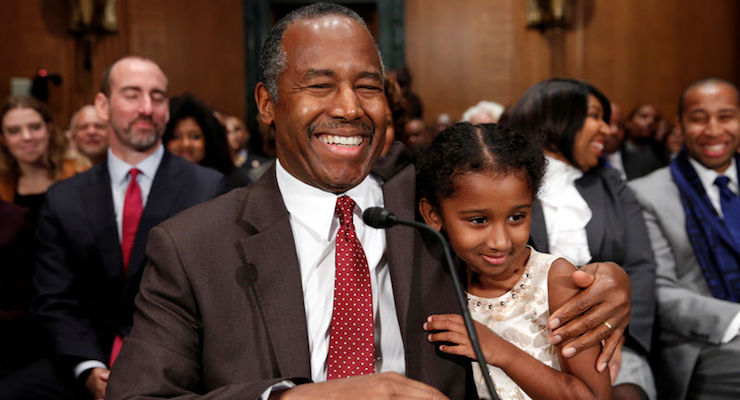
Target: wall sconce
(90,19)
(546,15)
(93,16)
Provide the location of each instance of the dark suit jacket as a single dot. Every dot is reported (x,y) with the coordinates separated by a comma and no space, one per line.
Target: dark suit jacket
(220,310)
(640,162)
(83,298)
(616,232)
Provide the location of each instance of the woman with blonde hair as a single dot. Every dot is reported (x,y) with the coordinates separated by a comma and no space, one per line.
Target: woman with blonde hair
(31,152)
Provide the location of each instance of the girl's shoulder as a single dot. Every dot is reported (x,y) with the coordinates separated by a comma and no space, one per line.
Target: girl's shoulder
(539,260)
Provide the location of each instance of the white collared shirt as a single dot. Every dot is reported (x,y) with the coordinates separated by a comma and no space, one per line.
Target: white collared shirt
(566,212)
(615,160)
(119,180)
(314,227)
(707,177)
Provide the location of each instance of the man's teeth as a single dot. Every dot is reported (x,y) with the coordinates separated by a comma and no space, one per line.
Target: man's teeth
(715,147)
(341,140)
(598,145)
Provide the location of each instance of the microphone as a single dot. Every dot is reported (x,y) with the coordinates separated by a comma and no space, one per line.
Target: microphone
(381,218)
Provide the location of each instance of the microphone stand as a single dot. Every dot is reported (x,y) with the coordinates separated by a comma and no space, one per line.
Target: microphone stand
(475,343)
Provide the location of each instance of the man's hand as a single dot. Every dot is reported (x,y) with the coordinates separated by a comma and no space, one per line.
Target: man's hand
(97,381)
(587,317)
(388,385)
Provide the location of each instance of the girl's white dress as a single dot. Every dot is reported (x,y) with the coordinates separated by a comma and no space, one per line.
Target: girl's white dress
(519,317)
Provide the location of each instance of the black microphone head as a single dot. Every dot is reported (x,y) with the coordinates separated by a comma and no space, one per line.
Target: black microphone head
(379,217)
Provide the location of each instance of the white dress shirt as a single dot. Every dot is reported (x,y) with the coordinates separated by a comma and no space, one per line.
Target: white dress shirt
(566,212)
(707,177)
(119,180)
(315,225)
(615,160)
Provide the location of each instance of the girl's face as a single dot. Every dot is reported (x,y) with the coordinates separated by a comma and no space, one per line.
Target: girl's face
(589,141)
(188,141)
(487,221)
(26,135)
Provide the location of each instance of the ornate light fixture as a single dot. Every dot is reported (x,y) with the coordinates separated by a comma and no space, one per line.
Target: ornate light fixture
(546,15)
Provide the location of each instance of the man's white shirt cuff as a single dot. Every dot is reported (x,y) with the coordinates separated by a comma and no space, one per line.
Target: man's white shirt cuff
(277,386)
(85,365)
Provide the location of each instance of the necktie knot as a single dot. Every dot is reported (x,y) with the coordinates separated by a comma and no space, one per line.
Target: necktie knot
(344,209)
(722,182)
(133,172)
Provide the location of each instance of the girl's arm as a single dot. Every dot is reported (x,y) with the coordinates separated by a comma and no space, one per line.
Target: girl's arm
(578,378)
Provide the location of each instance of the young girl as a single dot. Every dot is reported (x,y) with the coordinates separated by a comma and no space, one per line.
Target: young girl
(478,184)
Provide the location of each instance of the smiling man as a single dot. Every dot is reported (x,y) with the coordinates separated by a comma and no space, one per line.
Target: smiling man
(279,290)
(90,133)
(692,212)
(255,312)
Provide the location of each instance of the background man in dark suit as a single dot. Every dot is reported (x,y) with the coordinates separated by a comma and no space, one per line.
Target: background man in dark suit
(697,254)
(93,229)
(237,300)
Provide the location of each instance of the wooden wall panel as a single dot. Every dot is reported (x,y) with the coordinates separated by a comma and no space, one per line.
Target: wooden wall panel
(636,51)
(198,43)
(459,52)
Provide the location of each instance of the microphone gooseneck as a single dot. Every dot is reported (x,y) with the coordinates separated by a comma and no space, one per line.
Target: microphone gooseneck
(381,218)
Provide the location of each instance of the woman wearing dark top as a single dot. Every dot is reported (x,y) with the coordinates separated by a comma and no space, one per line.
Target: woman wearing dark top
(31,159)
(585,212)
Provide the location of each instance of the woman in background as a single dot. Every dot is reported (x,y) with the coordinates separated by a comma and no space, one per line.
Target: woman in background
(195,134)
(31,153)
(586,213)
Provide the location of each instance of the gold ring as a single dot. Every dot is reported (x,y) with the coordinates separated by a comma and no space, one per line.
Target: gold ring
(608,325)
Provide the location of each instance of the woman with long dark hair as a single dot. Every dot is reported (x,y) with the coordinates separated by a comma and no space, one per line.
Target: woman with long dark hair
(195,134)
(586,213)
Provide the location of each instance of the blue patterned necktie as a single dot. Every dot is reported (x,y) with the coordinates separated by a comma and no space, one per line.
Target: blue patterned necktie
(730,203)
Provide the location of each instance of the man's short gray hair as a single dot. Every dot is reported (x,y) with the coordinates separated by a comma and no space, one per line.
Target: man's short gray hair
(273,59)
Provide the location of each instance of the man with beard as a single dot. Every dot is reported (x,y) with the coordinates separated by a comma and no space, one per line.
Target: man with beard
(93,229)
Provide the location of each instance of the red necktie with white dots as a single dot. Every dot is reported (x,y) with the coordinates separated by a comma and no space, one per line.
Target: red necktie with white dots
(351,336)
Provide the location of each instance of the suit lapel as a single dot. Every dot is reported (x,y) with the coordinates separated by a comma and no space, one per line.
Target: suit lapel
(269,251)
(596,197)
(98,201)
(165,190)
(538,229)
(401,201)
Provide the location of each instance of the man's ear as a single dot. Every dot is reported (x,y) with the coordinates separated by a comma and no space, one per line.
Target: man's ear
(430,214)
(102,106)
(265,104)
